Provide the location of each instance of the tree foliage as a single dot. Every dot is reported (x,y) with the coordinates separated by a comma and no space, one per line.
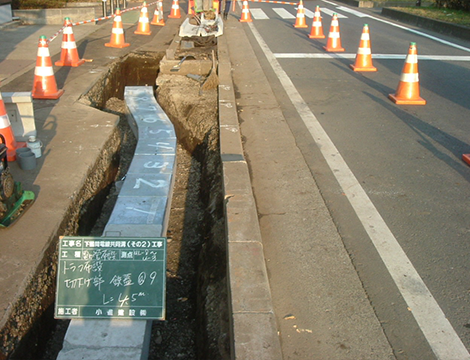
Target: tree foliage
(454,4)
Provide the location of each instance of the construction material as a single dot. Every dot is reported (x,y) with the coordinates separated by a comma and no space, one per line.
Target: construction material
(13,200)
(212,81)
(177,67)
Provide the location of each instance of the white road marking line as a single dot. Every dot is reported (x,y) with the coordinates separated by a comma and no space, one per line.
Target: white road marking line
(331,3)
(438,331)
(309,13)
(353,12)
(283,13)
(374,56)
(331,12)
(258,14)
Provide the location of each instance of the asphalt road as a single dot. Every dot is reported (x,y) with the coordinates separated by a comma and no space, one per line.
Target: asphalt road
(404,205)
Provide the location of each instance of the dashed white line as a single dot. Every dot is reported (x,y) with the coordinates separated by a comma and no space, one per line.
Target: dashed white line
(258,14)
(283,13)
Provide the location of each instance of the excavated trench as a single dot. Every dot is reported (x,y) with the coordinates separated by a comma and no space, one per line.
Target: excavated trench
(196,326)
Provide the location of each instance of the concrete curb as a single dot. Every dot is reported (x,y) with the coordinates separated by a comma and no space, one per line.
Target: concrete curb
(441,27)
(379,4)
(254,333)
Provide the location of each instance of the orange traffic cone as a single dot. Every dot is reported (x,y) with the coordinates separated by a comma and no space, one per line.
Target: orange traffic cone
(69,55)
(466,158)
(300,18)
(317,28)
(7,132)
(143,28)
(45,86)
(117,34)
(408,87)
(215,6)
(364,54)
(191,7)
(158,16)
(175,10)
(246,15)
(334,39)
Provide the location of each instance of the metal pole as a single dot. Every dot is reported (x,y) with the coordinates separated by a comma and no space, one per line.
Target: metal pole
(112,6)
(105,11)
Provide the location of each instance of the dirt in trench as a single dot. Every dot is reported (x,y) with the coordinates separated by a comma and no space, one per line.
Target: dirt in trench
(196,300)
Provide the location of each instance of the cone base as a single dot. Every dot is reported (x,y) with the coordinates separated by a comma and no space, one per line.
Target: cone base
(174,16)
(401,101)
(301,26)
(53,96)
(466,158)
(119,46)
(245,20)
(158,23)
(73,64)
(137,32)
(333,49)
(316,36)
(358,68)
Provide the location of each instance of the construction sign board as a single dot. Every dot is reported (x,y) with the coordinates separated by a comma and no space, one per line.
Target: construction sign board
(111,277)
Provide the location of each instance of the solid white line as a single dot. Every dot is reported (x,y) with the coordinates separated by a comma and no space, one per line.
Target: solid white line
(374,56)
(438,331)
(283,13)
(258,14)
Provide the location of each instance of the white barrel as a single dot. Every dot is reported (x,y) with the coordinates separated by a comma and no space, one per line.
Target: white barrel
(35,145)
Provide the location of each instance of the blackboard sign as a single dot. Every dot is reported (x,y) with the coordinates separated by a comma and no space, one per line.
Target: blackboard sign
(111,277)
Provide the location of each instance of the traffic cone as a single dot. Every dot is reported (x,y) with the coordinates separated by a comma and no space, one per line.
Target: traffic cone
(334,40)
(191,7)
(69,55)
(175,10)
(7,132)
(364,54)
(300,18)
(45,86)
(317,28)
(408,87)
(143,28)
(466,158)
(158,16)
(215,6)
(246,15)
(117,34)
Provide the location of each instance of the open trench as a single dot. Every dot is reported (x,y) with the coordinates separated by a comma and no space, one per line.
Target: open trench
(197,325)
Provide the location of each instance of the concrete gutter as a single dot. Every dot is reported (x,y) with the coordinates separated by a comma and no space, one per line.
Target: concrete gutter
(254,332)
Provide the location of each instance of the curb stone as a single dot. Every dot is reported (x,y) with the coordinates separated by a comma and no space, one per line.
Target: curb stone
(254,333)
